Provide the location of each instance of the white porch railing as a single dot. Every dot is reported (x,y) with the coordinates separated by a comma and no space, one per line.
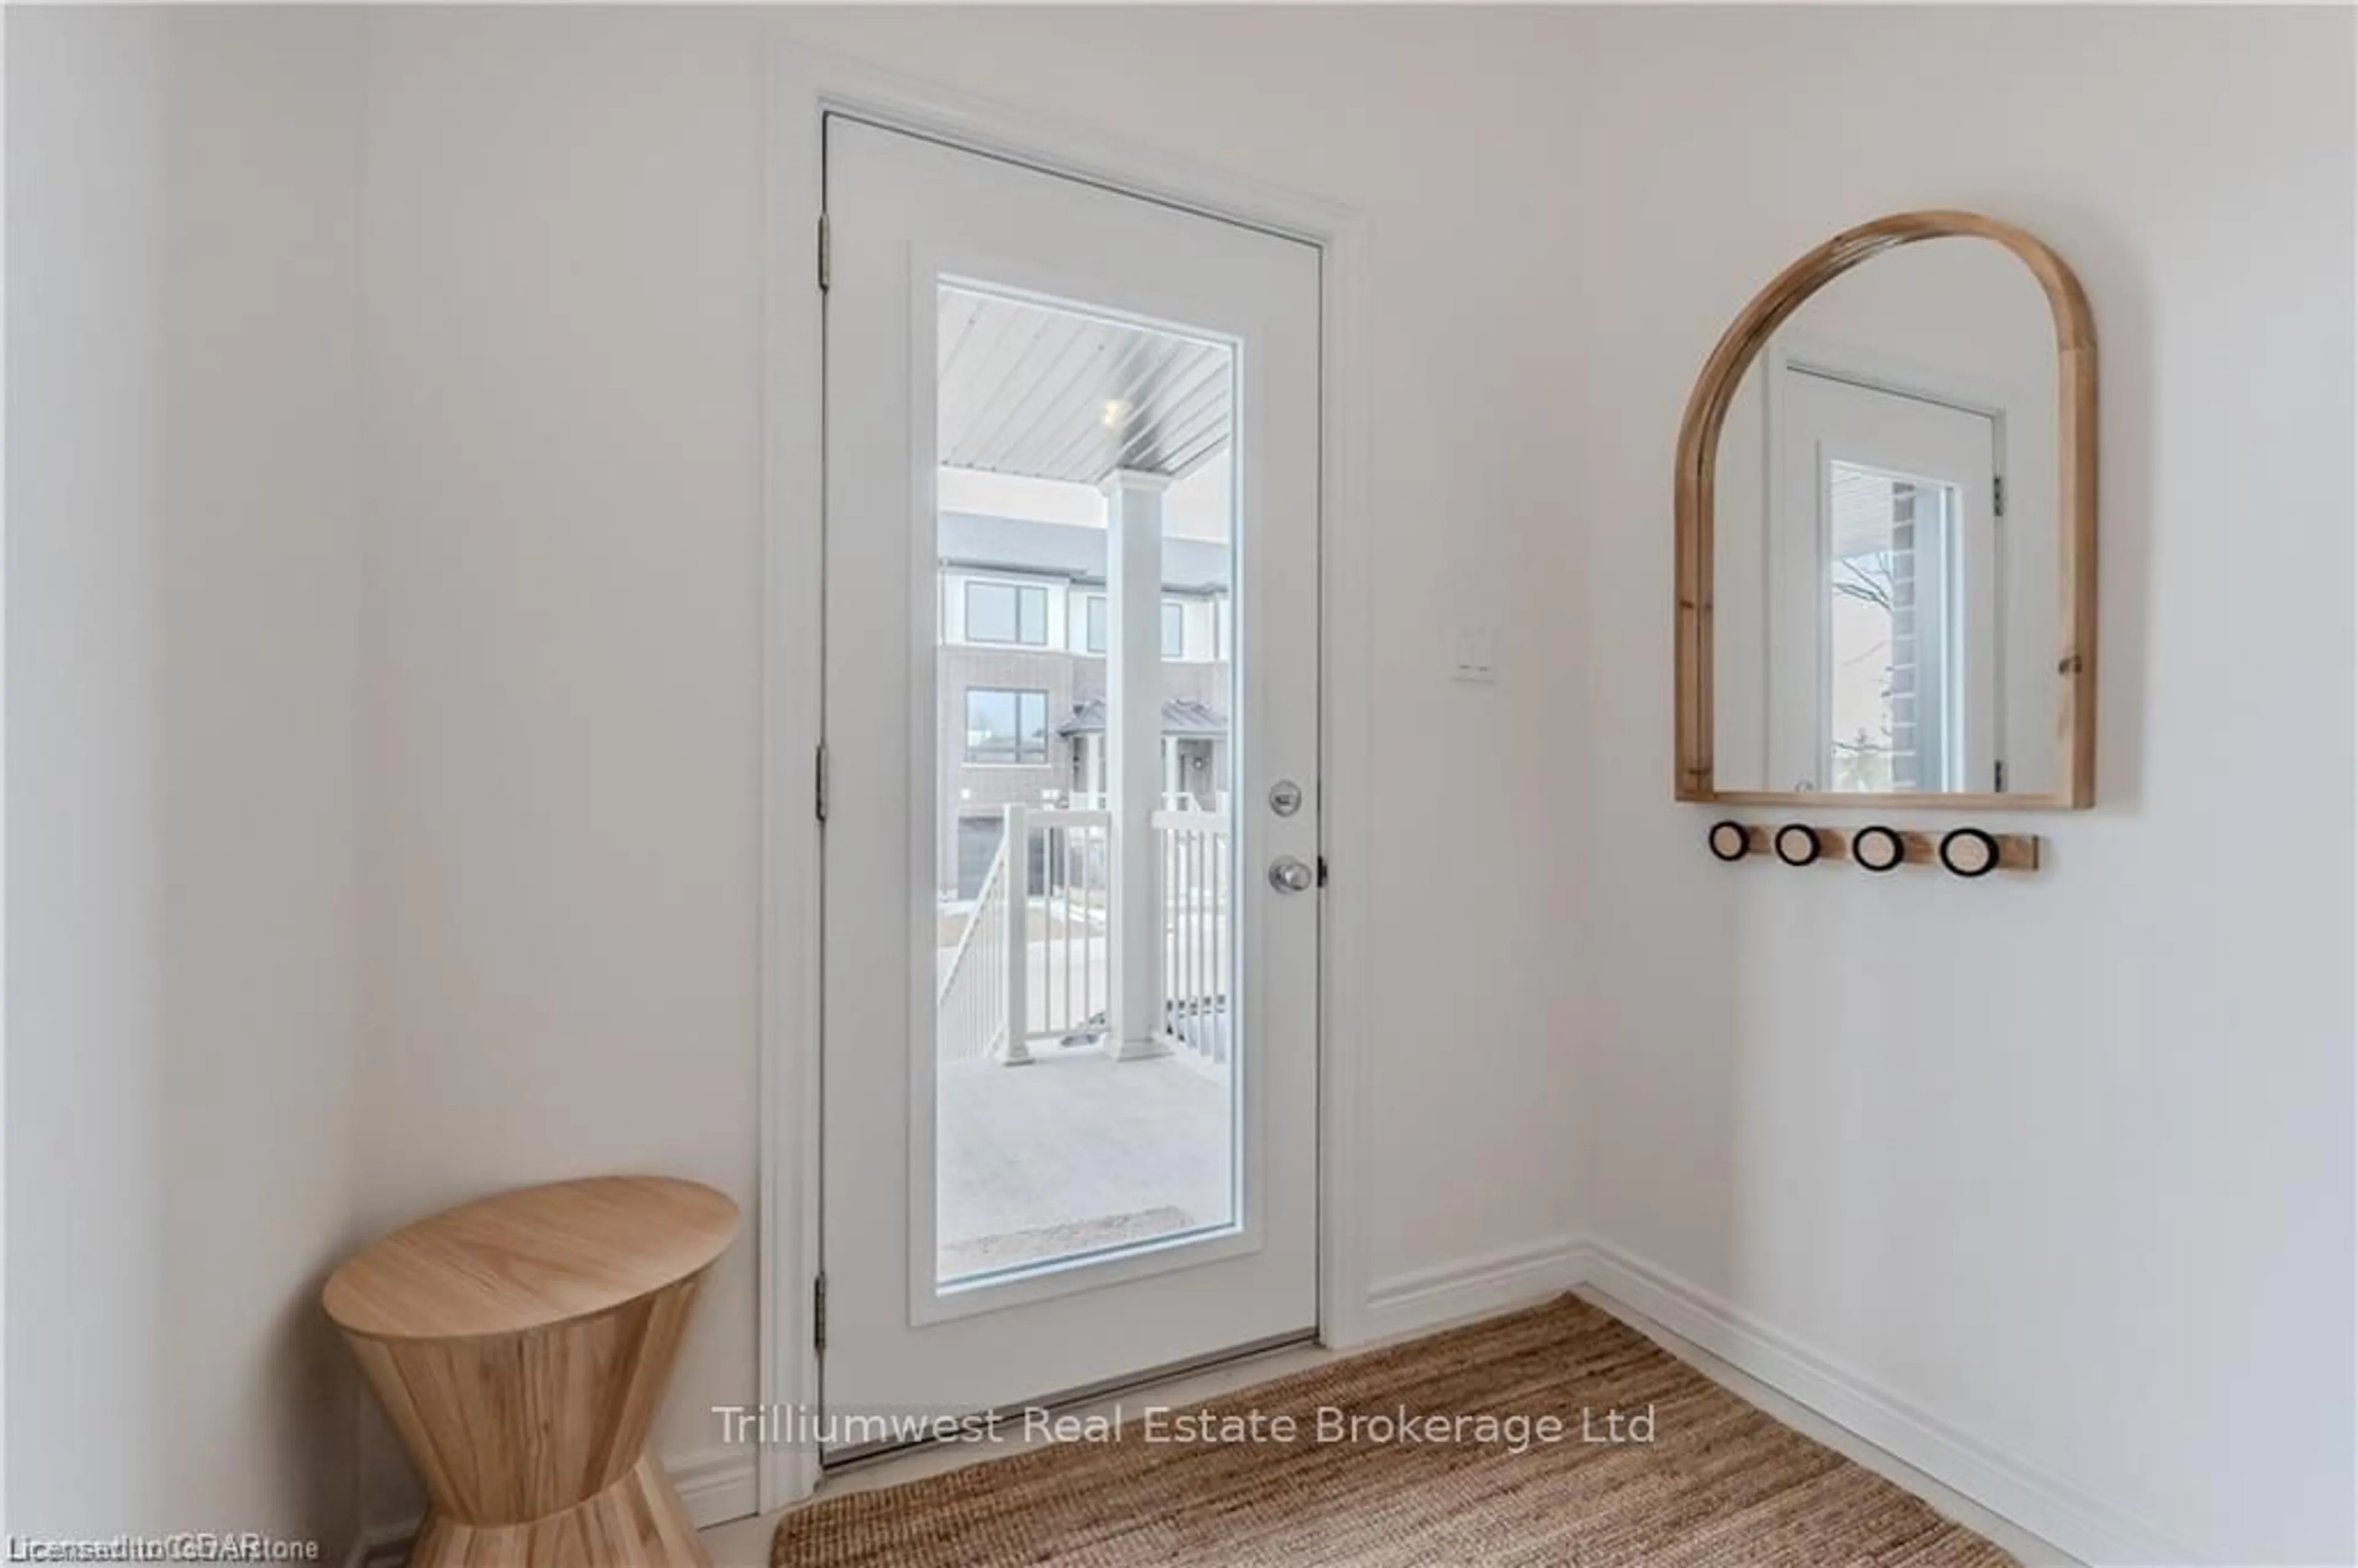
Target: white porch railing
(1066,927)
(1037,946)
(1193,872)
(970,1003)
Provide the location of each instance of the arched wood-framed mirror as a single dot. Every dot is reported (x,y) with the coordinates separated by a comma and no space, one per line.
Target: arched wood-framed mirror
(1886,530)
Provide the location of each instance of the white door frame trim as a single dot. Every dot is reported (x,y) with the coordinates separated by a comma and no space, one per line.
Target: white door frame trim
(804,85)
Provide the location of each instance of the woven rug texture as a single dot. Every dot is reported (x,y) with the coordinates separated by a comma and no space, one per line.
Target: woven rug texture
(1712,1482)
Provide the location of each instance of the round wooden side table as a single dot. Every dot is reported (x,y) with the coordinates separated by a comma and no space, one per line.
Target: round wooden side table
(521,1344)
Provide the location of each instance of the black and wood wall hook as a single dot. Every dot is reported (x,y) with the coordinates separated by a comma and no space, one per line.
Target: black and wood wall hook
(1966,852)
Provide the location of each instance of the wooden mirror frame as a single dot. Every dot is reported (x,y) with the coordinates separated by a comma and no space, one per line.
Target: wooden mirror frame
(2075,435)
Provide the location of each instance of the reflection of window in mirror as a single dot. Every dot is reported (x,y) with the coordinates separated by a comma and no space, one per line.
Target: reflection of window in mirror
(1890,670)
(1890,493)
(1883,671)
(1887,562)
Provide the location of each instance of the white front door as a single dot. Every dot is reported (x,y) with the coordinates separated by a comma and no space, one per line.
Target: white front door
(1883,616)
(1070,1053)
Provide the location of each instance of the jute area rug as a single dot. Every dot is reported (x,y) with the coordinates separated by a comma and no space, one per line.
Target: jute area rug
(1710,1481)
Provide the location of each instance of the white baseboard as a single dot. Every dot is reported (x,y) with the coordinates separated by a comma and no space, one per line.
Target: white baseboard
(715,1485)
(1469,1288)
(2049,1509)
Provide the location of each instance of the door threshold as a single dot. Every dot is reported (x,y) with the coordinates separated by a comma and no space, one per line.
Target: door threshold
(1072,1401)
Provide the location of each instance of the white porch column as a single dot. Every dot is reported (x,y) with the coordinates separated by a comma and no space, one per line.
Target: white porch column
(1134,757)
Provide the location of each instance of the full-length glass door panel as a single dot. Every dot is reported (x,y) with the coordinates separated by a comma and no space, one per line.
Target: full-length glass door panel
(1083,1100)
(1069,1064)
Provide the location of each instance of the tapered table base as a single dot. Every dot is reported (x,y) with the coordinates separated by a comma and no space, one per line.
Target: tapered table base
(637,1522)
(521,1346)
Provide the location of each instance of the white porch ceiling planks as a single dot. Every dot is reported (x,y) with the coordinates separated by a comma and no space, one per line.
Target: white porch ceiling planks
(1046,393)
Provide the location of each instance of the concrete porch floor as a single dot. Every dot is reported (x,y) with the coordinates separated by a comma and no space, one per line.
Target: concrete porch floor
(1074,1153)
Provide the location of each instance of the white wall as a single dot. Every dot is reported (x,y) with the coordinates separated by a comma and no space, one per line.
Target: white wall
(2087,1202)
(565,223)
(2089,1208)
(563,656)
(2065,1162)
(182,584)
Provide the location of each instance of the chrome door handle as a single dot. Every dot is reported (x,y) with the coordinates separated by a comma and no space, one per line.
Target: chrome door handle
(1289,873)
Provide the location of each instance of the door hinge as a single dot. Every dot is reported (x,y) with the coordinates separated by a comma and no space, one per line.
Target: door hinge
(826,254)
(818,1313)
(1998,776)
(1997,495)
(818,782)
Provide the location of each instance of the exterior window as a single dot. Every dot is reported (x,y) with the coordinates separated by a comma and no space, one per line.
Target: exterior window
(1174,627)
(1007,612)
(1006,727)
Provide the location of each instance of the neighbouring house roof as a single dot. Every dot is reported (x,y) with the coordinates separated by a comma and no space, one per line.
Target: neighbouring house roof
(1180,717)
(1022,546)
(1049,392)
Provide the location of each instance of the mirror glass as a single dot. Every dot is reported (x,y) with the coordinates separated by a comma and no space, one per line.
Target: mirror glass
(1887,566)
